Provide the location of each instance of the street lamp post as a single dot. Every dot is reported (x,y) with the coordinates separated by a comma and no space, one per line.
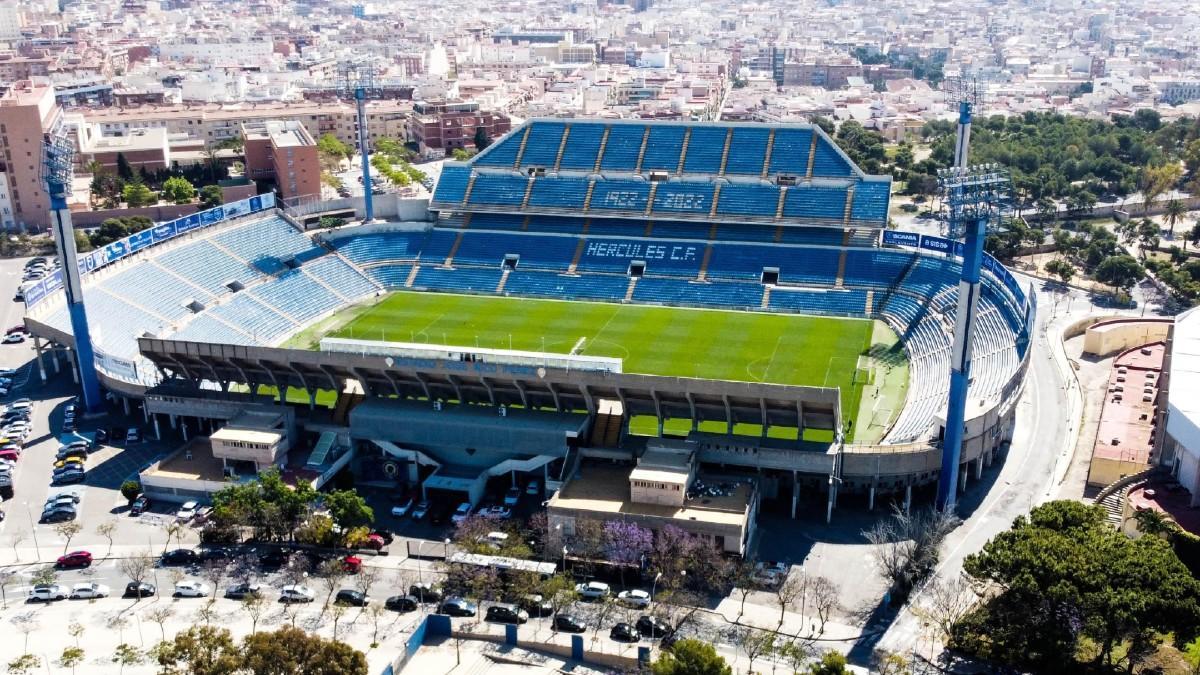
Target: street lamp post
(422,543)
(654,585)
(564,559)
(33,530)
(446,551)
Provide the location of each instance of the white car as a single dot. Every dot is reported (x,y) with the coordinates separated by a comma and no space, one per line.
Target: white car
(186,512)
(638,599)
(461,513)
(592,590)
(401,510)
(192,589)
(420,510)
(296,593)
(501,512)
(47,592)
(512,497)
(89,590)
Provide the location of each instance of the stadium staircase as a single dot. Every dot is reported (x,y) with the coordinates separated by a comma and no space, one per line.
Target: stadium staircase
(596,166)
(503,280)
(724,155)
(578,254)
(525,223)
(346,401)
(846,214)
(712,211)
(767,159)
(412,276)
(704,263)
(466,220)
(650,204)
(629,289)
(687,138)
(641,157)
(841,270)
(870,303)
(780,203)
(812,154)
(470,186)
(354,266)
(234,328)
(528,191)
(766,299)
(521,148)
(225,249)
(712,232)
(272,308)
(778,233)
(587,198)
(453,250)
(606,425)
(562,146)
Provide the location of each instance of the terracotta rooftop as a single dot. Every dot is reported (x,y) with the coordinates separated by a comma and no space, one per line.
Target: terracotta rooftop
(1127,419)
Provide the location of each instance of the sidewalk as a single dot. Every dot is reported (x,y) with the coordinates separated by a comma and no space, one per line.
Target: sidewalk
(49,552)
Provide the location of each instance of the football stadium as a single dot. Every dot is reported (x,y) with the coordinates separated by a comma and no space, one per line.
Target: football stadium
(580,290)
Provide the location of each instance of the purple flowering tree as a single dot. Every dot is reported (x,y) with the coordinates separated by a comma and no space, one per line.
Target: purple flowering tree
(625,543)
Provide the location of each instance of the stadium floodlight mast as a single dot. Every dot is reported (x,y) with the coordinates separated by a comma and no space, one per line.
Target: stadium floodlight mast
(357,81)
(58,170)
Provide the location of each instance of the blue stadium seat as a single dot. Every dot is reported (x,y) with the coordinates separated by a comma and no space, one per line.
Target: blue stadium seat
(461,279)
(380,246)
(439,245)
(620,195)
(871,201)
(829,162)
(748,200)
(265,243)
(663,148)
(297,295)
(583,144)
(566,225)
(155,289)
(257,319)
(205,328)
(207,266)
(502,153)
(674,230)
(551,285)
(930,275)
(539,252)
(728,295)
(618,227)
(743,232)
(499,188)
(452,184)
(789,152)
(496,221)
(559,193)
(874,268)
(683,197)
(796,264)
(810,201)
(390,276)
(815,236)
(705,149)
(336,274)
(542,147)
(830,301)
(747,151)
(621,151)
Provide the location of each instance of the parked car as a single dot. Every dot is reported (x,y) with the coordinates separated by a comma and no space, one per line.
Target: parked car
(243,591)
(401,603)
(374,542)
(180,556)
(296,593)
(139,505)
(352,564)
(400,510)
(512,497)
(461,513)
(274,558)
(457,607)
(191,588)
(351,597)
(69,461)
(624,632)
(14,338)
(139,589)
(89,590)
(425,592)
(592,590)
(217,553)
(47,593)
(420,510)
(71,453)
(635,598)
(499,512)
(506,614)
(187,511)
(69,477)
(133,435)
(383,534)
(74,559)
(652,626)
(58,514)
(58,501)
(568,623)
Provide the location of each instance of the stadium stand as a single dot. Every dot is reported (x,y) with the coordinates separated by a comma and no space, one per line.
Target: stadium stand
(583,144)
(542,145)
(816,202)
(675,292)
(751,144)
(558,194)
(705,149)
(537,252)
(789,153)
(663,148)
(372,248)
(476,280)
(748,200)
(550,285)
(624,144)
(506,189)
(620,194)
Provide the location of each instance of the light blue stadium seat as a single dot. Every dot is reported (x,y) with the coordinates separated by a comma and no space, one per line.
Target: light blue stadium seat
(705,148)
(542,147)
(205,328)
(583,144)
(502,153)
(874,267)
(262,323)
(498,188)
(663,148)
(390,276)
(748,200)
(338,275)
(375,247)
(829,162)
(871,201)
(751,146)
(789,152)
(452,184)
(154,289)
(207,266)
(297,295)
(621,151)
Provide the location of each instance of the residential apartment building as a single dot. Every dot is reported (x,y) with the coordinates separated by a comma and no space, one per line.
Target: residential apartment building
(447,125)
(284,152)
(27,113)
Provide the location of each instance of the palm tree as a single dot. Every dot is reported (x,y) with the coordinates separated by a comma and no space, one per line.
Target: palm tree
(1154,522)
(93,167)
(1175,210)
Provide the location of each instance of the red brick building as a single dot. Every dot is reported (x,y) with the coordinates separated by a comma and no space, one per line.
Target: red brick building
(283,151)
(447,125)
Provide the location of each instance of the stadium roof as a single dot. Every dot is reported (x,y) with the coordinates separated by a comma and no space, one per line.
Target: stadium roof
(709,171)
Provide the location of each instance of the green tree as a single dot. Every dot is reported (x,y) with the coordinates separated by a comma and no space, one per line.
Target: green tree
(1119,271)
(1175,210)
(482,140)
(130,490)
(333,149)
(210,196)
(904,156)
(1193,236)
(1064,577)
(690,657)
(25,663)
(178,190)
(291,651)
(137,194)
(199,650)
(460,155)
(1154,522)
(82,243)
(348,509)
(71,656)
(124,170)
(1061,269)
(832,663)
(127,655)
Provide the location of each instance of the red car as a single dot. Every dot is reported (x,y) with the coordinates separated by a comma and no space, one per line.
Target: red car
(19,328)
(375,542)
(352,564)
(75,559)
(14,455)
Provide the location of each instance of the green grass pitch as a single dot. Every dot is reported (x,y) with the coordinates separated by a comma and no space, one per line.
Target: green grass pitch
(710,344)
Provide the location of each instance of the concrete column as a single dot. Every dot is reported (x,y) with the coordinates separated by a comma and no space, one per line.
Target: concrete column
(795,492)
(54,359)
(125,404)
(871,498)
(979,467)
(413,472)
(145,413)
(660,427)
(38,348)
(183,427)
(157,431)
(907,498)
(512,476)
(174,422)
(829,504)
(312,399)
(74,365)
(962,479)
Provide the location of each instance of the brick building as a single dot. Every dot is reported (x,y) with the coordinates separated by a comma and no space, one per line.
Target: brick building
(444,126)
(284,152)
(27,113)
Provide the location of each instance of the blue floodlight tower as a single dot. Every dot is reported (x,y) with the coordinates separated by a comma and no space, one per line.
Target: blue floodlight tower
(57,159)
(358,80)
(975,197)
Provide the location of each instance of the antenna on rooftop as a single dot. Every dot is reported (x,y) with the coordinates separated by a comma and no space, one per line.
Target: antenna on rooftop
(357,81)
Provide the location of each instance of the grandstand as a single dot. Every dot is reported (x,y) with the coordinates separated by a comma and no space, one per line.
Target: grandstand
(717,216)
